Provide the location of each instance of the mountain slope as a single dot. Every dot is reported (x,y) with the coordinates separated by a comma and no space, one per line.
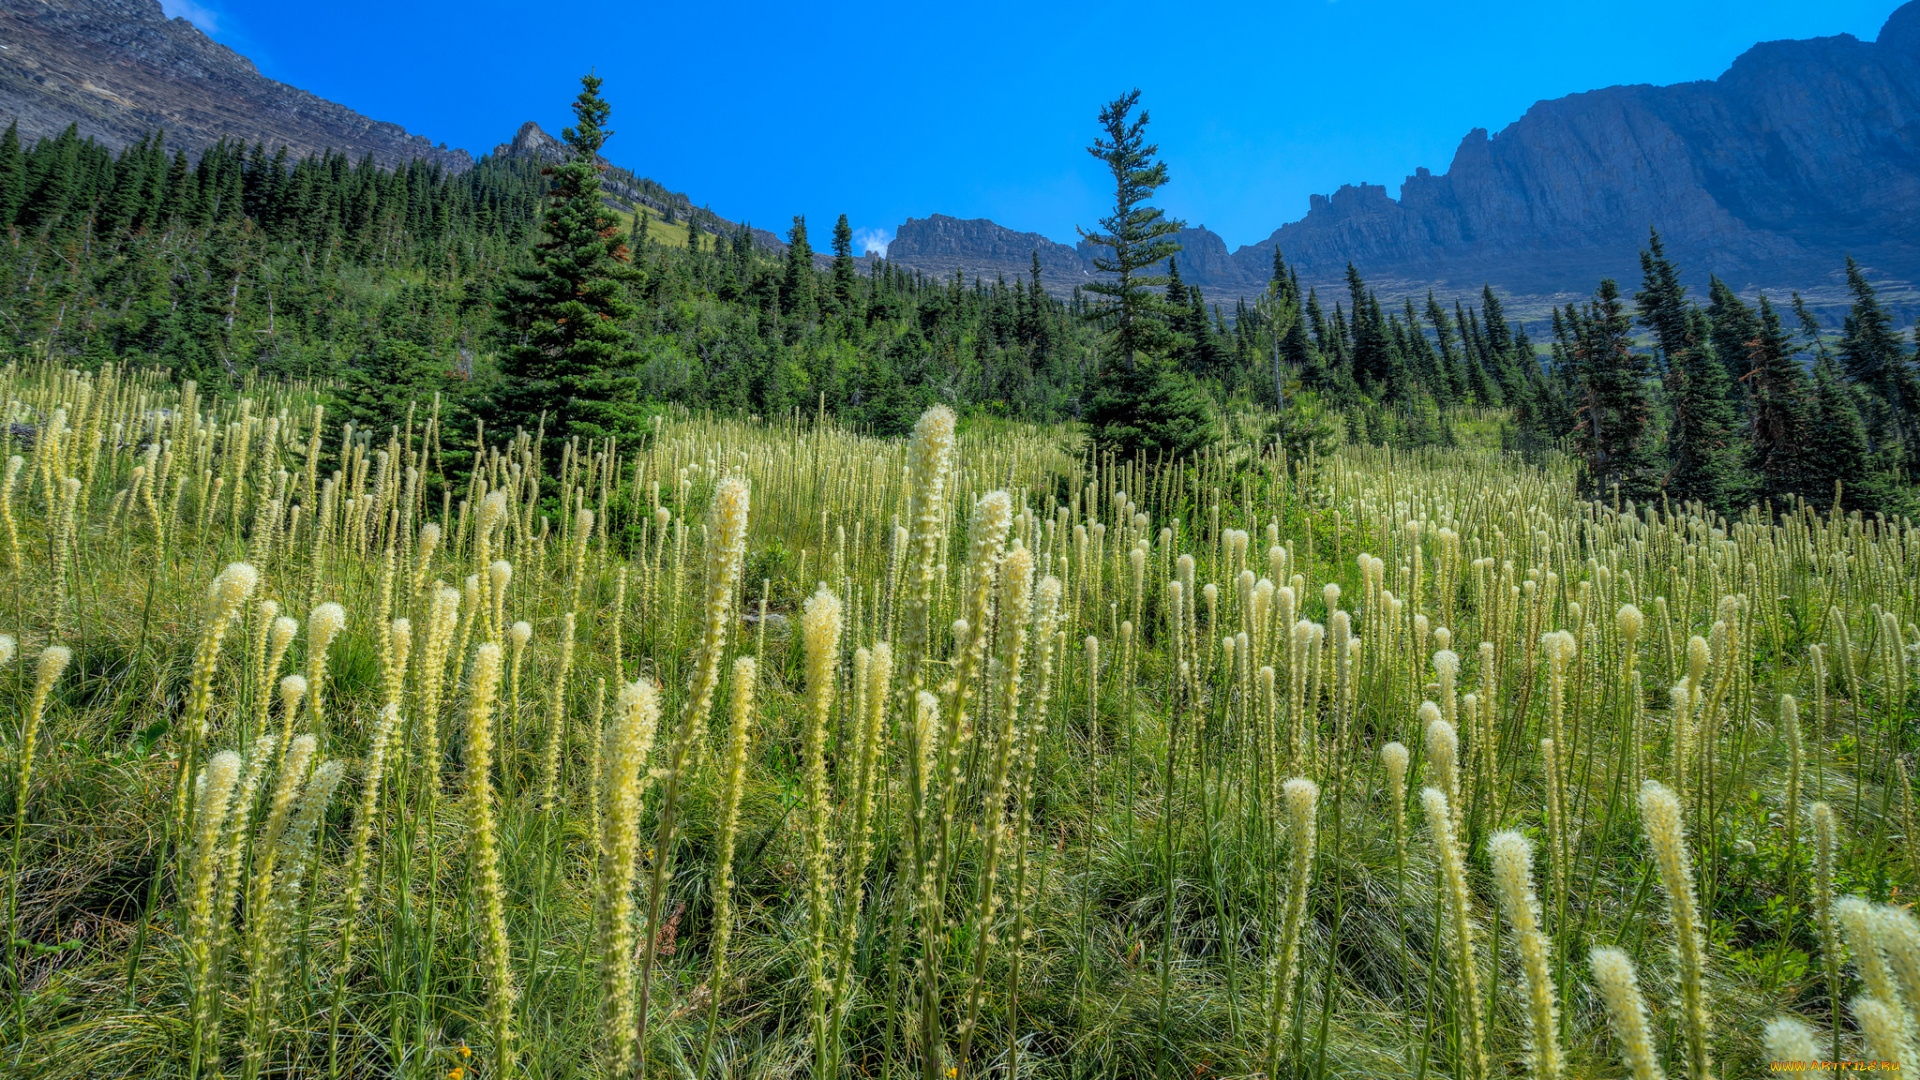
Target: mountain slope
(627,191)
(121,68)
(1802,152)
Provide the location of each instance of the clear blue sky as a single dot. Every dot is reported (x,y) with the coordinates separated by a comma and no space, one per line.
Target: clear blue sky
(881,112)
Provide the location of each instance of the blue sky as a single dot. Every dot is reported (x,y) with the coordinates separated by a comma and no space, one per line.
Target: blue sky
(881,112)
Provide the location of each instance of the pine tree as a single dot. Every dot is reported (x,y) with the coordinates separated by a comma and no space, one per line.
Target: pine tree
(13,175)
(1662,301)
(1613,413)
(1036,324)
(1136,234)
(1317,376)
(1423,365)
(1181,345)
(1809,326)
(1735,328)
(1838,452)
(1777,409)
(1148,409)
(1874,357)
(53,180)
(1703,460)
(1207,355)
(1373,360)
(564,316)
(1458,379)
(796,289)
(845,281)
(1500,354)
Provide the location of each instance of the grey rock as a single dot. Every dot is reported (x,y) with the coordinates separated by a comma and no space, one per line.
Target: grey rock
(120,69)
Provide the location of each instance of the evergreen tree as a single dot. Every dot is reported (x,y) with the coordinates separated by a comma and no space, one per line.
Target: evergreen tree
(1137,235)
(1374,362)
(796,289)
(564,316)
(1498,349)
(1809,326)
(1735,328)
(1838,453)
(1148,409)
(1342,346)
(1388,363)
(53,180)
(1296,348)
(1036,326)
(396,369)
(1613,413)
(1207,356)
(1874,357)
(846,282)
(1176,290)
(1448,363)
(13,175)
(1317,376)
(1662,301)
(1777,409)
(1703,460)
(1423,365)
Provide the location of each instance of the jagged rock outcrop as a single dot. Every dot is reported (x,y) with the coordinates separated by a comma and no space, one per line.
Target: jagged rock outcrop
(939,245)
(121,68)
(1801,153)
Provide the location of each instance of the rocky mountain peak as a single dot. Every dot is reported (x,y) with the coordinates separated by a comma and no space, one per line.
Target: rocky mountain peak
(120,68)
(1902,29)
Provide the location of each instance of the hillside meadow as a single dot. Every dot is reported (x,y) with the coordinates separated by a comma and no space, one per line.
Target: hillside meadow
(769,749)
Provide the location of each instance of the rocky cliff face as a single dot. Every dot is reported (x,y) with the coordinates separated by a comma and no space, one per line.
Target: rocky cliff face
(1803,152)
(121,68)
(939,245)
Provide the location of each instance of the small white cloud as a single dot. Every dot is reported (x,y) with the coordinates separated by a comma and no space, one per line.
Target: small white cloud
(197,14)
(865,240)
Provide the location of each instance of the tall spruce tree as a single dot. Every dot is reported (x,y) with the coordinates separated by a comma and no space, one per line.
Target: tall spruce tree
(1613,414)
(1875,358)
(1662,301)
(1703,458)
(796,288)
(1142,404)
(1777,409)
(1136,234)
(1810,327)
(845,281)
(1735,328)
(1374,362)
(564,315)
(1838,456)
(13,175)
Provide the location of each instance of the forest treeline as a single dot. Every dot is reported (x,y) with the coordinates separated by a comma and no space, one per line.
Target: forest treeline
(394,285)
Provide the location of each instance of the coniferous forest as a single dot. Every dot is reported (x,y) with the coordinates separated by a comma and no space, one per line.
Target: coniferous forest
(245,264)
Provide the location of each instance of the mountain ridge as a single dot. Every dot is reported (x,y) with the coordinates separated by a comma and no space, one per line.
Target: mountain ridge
(120,69)
(1798,154)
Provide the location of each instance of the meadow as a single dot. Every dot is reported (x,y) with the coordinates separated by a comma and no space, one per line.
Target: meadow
(769,749)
